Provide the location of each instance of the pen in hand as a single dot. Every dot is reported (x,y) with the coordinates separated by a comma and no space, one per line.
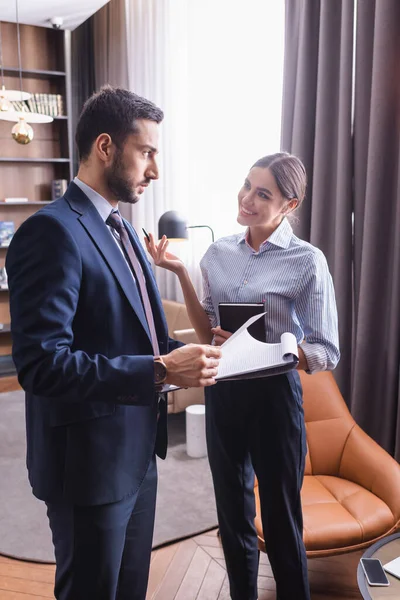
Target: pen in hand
(146,234)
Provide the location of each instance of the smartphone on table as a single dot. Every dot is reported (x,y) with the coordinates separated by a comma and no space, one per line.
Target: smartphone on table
(374,573)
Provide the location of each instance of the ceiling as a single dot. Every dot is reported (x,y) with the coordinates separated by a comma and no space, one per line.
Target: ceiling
(39,12)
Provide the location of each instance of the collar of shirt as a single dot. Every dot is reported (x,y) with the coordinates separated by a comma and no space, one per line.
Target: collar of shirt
(102,205)
(280,237)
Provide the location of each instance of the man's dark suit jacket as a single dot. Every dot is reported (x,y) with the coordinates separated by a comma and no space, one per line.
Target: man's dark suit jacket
(83,354)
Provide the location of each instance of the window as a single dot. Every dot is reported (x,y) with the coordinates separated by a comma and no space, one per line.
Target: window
(227,93)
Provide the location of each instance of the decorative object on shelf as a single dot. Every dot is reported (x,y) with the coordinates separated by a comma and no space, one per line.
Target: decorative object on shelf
(8,96)
(22,132)
(3,280)
(7,230)
(15,200)
(175,226)
(58,188)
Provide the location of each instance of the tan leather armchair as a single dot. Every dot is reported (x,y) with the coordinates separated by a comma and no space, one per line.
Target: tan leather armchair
(180,328)
(351,489)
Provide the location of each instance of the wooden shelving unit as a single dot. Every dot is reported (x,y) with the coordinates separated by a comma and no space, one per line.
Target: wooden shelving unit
(28,171)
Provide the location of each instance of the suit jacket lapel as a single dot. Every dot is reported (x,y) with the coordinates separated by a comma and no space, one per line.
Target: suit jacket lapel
(101,236)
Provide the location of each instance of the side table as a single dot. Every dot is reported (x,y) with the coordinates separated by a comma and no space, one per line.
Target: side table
(386,550)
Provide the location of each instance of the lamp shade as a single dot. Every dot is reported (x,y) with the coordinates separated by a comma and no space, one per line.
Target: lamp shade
(29,117)
(14,95)
(173,225)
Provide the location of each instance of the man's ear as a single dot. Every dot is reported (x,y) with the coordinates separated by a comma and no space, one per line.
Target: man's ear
(104,148)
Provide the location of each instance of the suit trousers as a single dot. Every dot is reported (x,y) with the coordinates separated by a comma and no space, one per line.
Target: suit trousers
(103,552)
(257,426)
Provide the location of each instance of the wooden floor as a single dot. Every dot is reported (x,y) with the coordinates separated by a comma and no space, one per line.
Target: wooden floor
(190,570)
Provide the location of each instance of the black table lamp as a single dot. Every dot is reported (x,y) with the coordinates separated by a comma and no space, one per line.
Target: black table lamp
(174,226)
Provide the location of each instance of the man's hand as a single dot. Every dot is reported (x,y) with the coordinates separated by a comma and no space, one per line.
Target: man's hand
(193,365)
(220,335)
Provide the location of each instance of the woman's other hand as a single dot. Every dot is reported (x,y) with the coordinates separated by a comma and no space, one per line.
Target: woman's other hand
(220,336)
(161,257)
(303,364)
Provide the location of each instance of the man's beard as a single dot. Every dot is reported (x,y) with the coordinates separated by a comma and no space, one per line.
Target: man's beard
(117,182)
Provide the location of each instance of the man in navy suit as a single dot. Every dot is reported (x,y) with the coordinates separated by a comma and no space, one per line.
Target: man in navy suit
(92,352)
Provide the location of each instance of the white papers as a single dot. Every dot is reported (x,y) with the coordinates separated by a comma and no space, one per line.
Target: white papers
(242,354)
(167,387)
(393,567)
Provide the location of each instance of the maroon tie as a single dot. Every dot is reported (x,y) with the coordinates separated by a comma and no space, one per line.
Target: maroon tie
(115,221)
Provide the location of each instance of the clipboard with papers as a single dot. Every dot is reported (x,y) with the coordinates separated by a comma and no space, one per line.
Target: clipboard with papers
(244,357)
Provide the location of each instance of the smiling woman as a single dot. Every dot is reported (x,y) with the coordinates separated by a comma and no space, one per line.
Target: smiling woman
(274,187)
(256,426)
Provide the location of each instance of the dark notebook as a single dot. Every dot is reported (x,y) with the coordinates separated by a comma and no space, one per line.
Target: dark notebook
(234,314)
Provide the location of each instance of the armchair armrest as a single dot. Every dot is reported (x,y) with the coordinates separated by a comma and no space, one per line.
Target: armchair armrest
(187,336)
(180,399)
(366,463)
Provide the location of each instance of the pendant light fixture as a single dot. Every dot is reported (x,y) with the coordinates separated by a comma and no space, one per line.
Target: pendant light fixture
(22,132)
(8,96)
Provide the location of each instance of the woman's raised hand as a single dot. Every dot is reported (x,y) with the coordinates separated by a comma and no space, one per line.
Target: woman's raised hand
(161,257)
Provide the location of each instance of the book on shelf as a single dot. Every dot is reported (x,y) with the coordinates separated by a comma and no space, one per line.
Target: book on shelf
(244,357)
(58,188)
(232,315)
(20,106)
(60,105)
(7,230)
(46,104)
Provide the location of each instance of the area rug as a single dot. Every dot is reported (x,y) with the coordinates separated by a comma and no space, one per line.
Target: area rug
(185,502)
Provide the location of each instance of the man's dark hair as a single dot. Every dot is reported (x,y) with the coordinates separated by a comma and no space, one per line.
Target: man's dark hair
(112,110)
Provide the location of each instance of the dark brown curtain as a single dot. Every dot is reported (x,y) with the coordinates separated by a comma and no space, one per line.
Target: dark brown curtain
(82,72)
(341,115)
(110,44)
(111,53)
(376,347)
(99,56)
